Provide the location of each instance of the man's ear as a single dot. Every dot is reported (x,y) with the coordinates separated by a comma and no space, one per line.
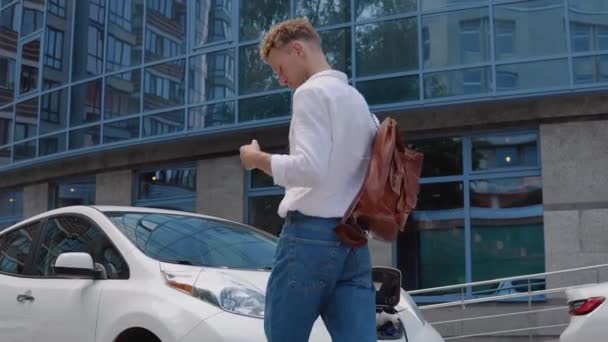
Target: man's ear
(297,47)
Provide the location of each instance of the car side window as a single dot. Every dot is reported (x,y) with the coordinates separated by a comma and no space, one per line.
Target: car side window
(75,234)
(15,248)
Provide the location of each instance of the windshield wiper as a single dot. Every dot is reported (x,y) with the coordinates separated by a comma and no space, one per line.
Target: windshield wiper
(179,262)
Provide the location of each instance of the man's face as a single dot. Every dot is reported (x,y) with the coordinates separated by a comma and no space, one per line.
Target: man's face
(289,64)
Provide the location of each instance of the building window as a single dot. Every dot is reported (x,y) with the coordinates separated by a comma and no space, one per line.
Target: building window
(589,37)
(119,53)
(53,56)
(164,7)
(470,35)
(79,191)
(11,207)
(57,7)
(172,187)
(50,107)
(493,195)
(506,80)
(505,37)
(120,13)
(95,50)
(97,11)
(472,81)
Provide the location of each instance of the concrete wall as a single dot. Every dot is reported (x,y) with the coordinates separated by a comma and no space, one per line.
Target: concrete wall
(35,199)
(220,186)
(575,196)
(114,188)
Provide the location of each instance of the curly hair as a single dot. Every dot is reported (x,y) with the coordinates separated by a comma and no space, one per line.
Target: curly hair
(286,32)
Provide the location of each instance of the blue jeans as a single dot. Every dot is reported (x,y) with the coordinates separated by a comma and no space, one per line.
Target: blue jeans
(317,274)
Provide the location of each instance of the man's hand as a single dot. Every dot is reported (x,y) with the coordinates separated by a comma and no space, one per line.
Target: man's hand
(249,155)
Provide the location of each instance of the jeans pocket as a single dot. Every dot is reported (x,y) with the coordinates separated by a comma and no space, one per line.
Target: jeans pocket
(313,263)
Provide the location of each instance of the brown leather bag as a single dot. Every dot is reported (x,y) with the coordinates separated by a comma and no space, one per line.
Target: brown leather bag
(389,192)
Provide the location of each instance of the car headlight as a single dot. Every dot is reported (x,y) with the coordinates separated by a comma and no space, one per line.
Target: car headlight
(228,293)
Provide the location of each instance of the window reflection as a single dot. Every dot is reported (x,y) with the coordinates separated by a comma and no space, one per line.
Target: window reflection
(442,157)
(456,83)
(263,213)
(505,151)
(26,119)
(167,183)
(588,25)
(213,21)
(211,115)
(254,74)
(121,130)
(257,16)
(32,16)
(6,125)
(324,12)
(16,248)
(164,123)
(24,151)
(211,76)
(165,29)
(591,69)
(337,47)
(264,107)
(30,54)
(366,9)
(11,203)
(58,37)
(86,103)
(6,155)
(507,227)
(53,111)
(533,75)
(88,38)
(390,90)
(84,137)
(52,144)
(79,191)
(8,53)
(123,94)
(164,85)
(124,34)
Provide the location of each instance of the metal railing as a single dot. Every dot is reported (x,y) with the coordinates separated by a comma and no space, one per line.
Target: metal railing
(468,298)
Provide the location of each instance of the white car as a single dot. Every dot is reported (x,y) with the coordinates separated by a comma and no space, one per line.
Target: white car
(588,313)
(116,274)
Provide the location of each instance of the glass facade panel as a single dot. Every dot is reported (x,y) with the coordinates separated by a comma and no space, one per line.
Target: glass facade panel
(507,228)
(165,29)
(164,123)
(264,107)
(11,204)
(432,249)
(164,85)
(32,16)
(366,9)
(324,12)
(217,114)
(257,16)
(52,144)
(54,111)
(8,52)
(213,21)
(84,137)
(6,154)
(73,192)
(519,27)
(263,213)
(90,23)
(212,76)
(442,157)
(508,151)
(588,70)
(448,4)
(457,83)
(26,119)
(376,53)
(167,188)
(532,75)
(30,59)
(588,25)
(58,37)
(85,103)
(24,151)
(125,23)
(6,125)
(465,33)
(337,47)
(123,94)
(390,90)
(255,75)
(121,130)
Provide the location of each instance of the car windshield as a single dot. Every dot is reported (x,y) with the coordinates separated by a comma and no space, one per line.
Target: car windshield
(196,241)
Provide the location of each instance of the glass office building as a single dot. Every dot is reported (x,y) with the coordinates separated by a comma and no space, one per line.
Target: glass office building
(145,102)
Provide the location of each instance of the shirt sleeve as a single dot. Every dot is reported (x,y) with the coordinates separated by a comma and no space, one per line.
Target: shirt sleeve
(308,163)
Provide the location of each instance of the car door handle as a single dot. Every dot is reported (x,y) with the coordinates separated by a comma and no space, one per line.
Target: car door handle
(25,298)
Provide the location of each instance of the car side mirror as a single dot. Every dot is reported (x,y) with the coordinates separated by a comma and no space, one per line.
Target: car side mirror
(75,265)
(387,283)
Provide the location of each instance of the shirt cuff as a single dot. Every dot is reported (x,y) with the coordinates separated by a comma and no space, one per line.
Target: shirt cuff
(278,168)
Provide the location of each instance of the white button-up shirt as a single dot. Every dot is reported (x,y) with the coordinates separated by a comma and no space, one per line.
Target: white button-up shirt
(330,140)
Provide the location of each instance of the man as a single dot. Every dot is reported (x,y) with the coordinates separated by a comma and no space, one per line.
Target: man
(330,141)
